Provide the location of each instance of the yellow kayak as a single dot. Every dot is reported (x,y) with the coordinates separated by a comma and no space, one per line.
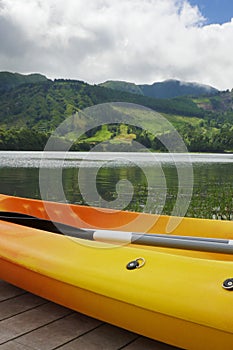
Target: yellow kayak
(175,286)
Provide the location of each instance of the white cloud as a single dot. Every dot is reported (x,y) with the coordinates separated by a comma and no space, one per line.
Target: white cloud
(135,40)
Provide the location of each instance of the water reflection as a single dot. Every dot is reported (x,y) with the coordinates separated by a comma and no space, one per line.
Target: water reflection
(212,191)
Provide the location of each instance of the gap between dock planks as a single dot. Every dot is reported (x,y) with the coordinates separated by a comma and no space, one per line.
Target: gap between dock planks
(28,322)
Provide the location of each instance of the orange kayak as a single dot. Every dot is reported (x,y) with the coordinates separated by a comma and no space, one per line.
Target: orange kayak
(169,293)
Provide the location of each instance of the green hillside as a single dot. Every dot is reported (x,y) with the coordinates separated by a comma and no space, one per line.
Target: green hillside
(30,112)
(165,89)
(122,86)
(45,105)
(11,80)
(174,88)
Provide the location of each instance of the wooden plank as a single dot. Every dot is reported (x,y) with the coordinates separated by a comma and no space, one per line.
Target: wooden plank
(14,345)
(148,344)
(8,291)
(59,332)
(18,304)
(104,337)
(28,322)
(23,323)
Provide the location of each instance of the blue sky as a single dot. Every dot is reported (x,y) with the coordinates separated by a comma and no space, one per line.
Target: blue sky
(215,11)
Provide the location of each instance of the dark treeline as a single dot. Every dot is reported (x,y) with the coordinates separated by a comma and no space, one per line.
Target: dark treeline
(195,140)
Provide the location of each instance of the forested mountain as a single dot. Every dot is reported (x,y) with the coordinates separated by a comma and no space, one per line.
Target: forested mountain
(29,112)
(165,89)
(10,80)
(122,86)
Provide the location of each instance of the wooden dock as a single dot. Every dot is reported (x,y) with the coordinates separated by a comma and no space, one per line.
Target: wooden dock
(28,322)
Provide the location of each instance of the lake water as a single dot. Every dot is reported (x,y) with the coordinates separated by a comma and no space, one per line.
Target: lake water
(196,185)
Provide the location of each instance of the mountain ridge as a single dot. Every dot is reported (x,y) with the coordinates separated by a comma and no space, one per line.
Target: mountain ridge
(169,88)
(9,80)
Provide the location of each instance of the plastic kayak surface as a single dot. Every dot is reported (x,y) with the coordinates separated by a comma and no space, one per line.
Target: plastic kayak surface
(176,296)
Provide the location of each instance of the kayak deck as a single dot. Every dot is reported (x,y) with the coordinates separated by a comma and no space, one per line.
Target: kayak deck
(100,218)
(63,328)
(104,219)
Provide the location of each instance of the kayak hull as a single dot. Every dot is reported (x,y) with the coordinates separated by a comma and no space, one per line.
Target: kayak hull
(170,330)
(175,298)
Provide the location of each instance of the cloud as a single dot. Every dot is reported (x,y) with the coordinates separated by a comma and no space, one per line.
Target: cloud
(135,40)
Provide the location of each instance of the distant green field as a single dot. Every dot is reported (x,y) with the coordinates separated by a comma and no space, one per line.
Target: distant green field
(101,135)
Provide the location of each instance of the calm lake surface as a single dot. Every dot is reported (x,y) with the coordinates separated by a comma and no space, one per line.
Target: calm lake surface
(196,185)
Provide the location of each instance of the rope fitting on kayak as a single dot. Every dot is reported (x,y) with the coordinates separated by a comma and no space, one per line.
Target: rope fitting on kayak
(228,284)
(135,264)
